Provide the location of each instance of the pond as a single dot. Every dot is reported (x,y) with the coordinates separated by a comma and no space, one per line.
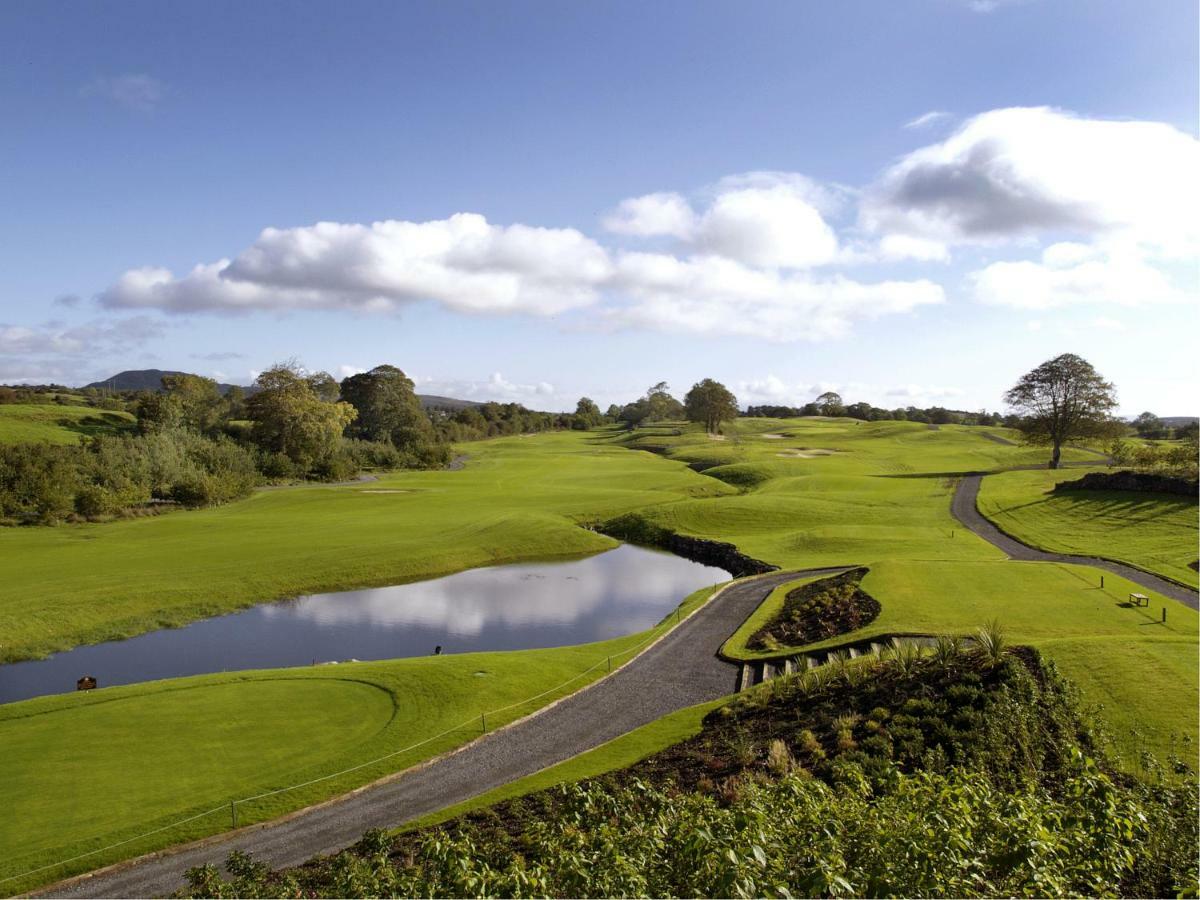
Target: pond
(513,607)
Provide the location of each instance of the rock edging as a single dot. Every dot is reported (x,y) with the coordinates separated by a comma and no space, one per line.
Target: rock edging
(634,529)
(1129,480)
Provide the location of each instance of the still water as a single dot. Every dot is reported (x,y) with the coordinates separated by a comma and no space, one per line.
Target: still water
(501,608)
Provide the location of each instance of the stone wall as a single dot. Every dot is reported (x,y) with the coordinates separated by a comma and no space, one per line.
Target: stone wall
(635,529)
(1128,480)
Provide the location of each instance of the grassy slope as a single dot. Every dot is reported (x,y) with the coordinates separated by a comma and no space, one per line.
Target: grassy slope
(929,574)
(515,499)
(197,743)
(1157,532)
(883,500)
(25,422)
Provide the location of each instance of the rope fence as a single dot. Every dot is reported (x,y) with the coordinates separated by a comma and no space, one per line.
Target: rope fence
(231,807)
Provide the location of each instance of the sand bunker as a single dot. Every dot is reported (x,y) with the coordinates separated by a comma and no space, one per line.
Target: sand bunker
(773,437)
(716,437)
(806,453)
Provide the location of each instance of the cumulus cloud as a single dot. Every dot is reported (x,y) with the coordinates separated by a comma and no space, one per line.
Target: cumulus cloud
(911,394)
(768,219)
(1070,274)
(1023,172)
(496,388)
(711,295)
(463,262)
(653,215)
(926,119)
(61,353)
(773,390)
(133,91)
(97,337)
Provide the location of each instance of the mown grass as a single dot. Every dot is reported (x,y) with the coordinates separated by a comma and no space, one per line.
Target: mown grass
(80,772)
(880,499)
(516,499)
(56,424)
(1156,532)
(618,753)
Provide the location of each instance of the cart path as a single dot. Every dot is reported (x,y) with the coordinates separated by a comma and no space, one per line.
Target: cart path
(966,510)
(680,670)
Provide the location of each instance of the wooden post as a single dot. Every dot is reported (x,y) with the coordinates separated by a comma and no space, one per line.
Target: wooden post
(610,664)
(1164,618)
(1101,581)
(233,813)
(483,722)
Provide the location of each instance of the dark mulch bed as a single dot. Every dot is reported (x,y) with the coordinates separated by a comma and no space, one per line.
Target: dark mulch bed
(818,611)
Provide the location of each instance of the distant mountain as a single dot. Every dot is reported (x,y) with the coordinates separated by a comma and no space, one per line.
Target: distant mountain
(432,401)
(151,380)
(145,380)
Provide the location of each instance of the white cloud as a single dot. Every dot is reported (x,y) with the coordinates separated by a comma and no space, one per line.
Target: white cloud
(1104,323)
(92,338)
(1021,172)
(774,226)
(496,387)
(133,91)
(463,262)
(917,394)
(711,295)
(895,247)
(772,390)
(65,354)
(661,214)
(926,119)
(1072,274)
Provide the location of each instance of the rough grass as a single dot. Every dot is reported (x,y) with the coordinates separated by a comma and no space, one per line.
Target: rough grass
(516,499)
(82,771)
(50,422)
(1157,532)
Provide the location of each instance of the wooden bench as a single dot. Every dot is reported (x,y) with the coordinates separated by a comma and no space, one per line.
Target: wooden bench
(1139,599)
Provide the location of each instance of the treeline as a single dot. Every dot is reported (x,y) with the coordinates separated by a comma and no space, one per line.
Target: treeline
(195,446)
(831,404)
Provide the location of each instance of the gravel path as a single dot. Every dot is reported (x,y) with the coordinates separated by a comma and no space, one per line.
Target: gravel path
(965,509)
(680,670)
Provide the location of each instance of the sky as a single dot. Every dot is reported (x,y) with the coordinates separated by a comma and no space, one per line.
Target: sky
(909,202)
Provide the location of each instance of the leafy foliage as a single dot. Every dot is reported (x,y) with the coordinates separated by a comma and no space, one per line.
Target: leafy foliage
(858,815)
(819,610)
(1062,400)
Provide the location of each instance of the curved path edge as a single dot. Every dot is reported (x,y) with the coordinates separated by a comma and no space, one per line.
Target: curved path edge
(965,508)
(678,670)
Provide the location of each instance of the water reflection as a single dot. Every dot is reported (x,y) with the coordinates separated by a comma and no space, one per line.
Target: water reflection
(501,608)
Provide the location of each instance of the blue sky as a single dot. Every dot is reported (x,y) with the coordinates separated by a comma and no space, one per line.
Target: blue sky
(910,202)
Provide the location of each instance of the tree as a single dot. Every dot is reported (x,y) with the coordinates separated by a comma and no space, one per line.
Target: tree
(386,404)
(661,405)
(1148,425)
(1062,400)
(197,399)
(291,418)
(831,404)
(587,413)
(710,402)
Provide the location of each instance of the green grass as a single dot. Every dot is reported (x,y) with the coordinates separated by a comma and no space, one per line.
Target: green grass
(618,753)
(881,498)
(29,422)
(516,499)
(81,772)
(735,647)
(1156,532)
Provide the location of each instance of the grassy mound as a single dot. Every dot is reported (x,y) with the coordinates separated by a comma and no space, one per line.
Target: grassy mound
(1156,532)
(817,611)
(33,422)
(959,774)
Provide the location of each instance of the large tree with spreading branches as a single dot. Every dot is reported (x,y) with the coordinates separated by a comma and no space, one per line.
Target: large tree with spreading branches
(710,402)
(1063,400)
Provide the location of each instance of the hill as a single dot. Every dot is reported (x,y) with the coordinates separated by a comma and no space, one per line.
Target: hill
(145,380)
(151,380)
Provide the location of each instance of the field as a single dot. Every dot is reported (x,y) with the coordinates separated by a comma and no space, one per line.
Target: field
(25,422)
(515,500)
(161,752)
(794,493)
(1156,532)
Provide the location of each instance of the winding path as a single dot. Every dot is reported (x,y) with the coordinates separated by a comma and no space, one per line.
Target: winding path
(680,670)
(966,510)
